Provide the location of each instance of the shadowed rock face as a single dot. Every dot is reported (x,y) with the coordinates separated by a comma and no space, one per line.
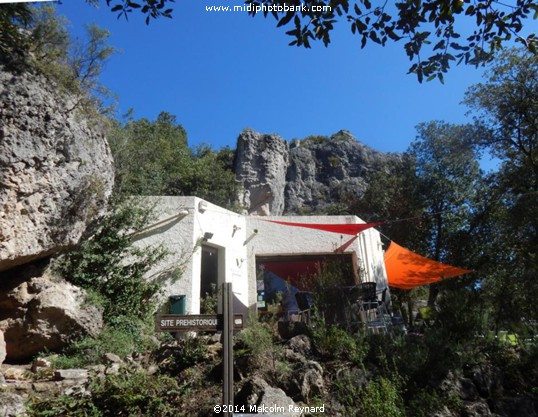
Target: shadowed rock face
(56,169)
(281,178)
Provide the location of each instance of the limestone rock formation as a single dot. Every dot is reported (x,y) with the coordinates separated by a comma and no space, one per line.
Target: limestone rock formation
(2,348)
(43,313)
(260,165)
(281,178)
(56,169)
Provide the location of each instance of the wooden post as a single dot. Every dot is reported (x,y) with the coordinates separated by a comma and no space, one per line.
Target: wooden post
(227,349)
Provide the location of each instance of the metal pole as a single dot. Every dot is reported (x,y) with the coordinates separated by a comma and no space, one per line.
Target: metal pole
(227,349)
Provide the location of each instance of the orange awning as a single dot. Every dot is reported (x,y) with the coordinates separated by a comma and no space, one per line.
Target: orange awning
(406,269)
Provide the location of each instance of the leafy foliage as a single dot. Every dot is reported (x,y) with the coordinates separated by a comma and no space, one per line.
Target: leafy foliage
(152,158)
(13,43)
(419,24)
(121,340)
(507,106)
(109,265)
(153,9)
(35,36)
(381,398)
(336,343)
(125,394)
(188,352)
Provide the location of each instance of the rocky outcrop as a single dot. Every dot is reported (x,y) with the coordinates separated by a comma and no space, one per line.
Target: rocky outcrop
(281,178)
(43,313)
(3,353)
(258,397)
(260,165)
(56,169)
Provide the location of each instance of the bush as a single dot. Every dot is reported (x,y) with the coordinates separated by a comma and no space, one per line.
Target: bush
(187,352)
(112,268)
(332,342)
(122,395)
(381,398)
(266,356)
(121,339)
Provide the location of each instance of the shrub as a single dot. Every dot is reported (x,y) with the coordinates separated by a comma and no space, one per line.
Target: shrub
(381,398)
(132,395)
(266,356)
(121,339)
(110,266)
(187,352)
(336,343)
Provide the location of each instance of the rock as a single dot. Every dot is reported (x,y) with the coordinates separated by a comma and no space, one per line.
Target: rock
(444,412)
(11,404)
(467,389)
(78,374)
(488,380)
(308,380)
(518,405)
(475,409)
(43,313)
(111,358)
(260,166)
(290,329)
(113,369)
(40,364)
(279,178)
(2,348)
(267,400)
(56,169)
(300,344)
(16,374)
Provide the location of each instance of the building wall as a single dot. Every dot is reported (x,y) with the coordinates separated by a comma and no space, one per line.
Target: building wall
(270,239)
(181,223)
(183,234)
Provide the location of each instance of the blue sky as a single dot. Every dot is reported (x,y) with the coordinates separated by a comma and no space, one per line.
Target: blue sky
(222,72)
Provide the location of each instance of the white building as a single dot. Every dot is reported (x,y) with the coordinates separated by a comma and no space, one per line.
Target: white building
(211,245)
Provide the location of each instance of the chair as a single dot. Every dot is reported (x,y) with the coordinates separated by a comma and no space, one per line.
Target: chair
(305,303)
(372,311)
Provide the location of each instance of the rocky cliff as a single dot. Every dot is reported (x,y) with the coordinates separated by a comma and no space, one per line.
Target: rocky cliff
(309,175)
(56,169)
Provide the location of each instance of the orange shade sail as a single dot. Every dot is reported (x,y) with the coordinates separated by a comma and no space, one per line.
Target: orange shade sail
(406,269)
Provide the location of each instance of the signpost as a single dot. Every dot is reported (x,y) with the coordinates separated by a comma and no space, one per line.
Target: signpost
(226,322)
(195,322)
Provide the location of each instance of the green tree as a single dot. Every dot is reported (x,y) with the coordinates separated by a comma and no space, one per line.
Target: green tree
(390,197)
(507,105)
(12,41)
(36,37)
(431,30)
(108,265)
(449,178)
(153,158)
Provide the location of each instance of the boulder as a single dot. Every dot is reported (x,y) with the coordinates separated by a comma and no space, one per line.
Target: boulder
(44,313)
(259,397)
(2,348)
(11,404)
(308,380)
(300,344)
(475,409)
(56,169)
